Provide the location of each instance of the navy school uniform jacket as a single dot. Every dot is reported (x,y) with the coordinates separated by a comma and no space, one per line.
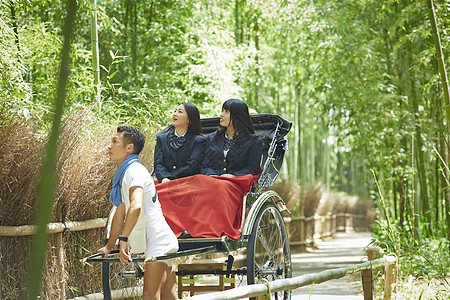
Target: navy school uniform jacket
(177,163)
(241,159)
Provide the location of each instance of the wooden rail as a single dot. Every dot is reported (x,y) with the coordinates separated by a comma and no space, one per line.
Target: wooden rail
(389,261)
(329,222)
(59,227)
(303,231)
(116,294)
(304,280)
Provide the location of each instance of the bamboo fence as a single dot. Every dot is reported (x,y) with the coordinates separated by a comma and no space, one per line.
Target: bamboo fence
(302,232)
(58,229)
(278,285)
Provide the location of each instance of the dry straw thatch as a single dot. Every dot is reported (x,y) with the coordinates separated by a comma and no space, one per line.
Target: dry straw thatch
(346,204)
(364,208)
(299,199)
(289,192)
(21,151)
(312,201)
(84,171)
(311,198)
(327,203)
(20,157)
(84,181)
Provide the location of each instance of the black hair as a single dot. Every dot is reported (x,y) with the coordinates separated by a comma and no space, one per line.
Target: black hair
(194,117)
(240,118)
(133,136)
(195,124)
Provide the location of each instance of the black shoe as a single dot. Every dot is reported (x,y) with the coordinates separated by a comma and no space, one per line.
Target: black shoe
(185,235)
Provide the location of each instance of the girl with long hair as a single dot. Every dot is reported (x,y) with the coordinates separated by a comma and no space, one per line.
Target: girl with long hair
(180,147)
(233,149)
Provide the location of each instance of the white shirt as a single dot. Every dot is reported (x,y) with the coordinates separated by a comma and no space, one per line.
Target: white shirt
(138,175)
(225,152)
(151,234)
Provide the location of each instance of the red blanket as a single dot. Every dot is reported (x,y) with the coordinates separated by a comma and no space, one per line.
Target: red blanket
(205,206)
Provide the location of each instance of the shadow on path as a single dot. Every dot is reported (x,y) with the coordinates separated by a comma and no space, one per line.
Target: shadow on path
(343,250)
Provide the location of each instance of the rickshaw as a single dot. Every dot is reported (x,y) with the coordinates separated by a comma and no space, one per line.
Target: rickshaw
(263,232)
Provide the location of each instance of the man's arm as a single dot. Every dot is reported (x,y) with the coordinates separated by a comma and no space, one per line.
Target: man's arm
(132,215)
(116,227)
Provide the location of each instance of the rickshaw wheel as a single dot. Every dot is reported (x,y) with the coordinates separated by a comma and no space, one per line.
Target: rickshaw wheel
(268,253)
(122,281)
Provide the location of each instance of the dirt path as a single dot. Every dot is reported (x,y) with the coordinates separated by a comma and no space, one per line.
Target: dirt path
(343,250)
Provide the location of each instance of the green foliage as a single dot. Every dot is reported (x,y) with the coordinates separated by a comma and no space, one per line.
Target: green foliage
(427,258)
(430,259)
(13,89)
(41,59)
(359,79)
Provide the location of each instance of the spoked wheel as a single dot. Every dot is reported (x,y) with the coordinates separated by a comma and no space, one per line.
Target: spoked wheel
(122,281)
(268,254)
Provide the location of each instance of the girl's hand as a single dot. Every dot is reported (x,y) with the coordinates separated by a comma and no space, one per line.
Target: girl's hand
(228,175)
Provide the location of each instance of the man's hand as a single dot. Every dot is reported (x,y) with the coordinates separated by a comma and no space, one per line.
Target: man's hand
(105,250)
(125,256)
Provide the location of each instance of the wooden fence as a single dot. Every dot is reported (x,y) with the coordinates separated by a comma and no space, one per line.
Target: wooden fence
(255,290)
(389,262)
(58,230)
(53,227)
(302,232)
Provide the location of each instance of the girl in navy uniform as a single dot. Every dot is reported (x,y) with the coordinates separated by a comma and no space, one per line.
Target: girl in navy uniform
(233,149)
(180,148)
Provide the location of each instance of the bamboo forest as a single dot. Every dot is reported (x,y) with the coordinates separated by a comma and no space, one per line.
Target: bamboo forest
(364,83)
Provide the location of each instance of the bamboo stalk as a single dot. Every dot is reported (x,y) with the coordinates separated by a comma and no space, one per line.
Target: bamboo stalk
(444,79)
(440,58)
(95,54)
(293,283)
(53,227)
(255,290)
(47,183)
(96,296)
(116,294)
